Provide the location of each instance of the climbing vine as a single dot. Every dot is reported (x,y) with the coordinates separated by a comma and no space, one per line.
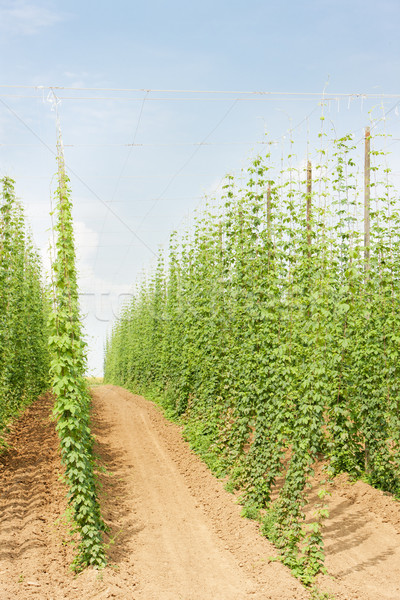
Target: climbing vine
(272,330)
(24,358)
(67,369)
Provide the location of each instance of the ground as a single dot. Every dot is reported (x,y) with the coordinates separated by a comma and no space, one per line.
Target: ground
(175,532)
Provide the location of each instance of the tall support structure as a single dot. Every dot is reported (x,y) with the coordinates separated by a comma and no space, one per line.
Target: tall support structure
(309,191)
(367,197)
(367,240)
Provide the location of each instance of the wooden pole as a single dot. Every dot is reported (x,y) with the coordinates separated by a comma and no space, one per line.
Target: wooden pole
(309,190)
(367,238)
(367,197)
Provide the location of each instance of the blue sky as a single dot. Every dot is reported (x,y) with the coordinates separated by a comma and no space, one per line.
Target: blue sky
(220,44)
(296,47)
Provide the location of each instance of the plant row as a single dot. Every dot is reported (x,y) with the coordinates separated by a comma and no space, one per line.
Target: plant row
(72,399)
(274,331)
(24,308)
(41,344)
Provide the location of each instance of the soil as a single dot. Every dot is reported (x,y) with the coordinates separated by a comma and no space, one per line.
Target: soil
(175,532)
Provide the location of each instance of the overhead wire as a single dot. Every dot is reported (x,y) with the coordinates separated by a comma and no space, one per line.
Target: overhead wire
(144,145)
(205,92)
(187,162)
(179,98)
(78,177)
(120,175)
(324,98)
(183,166)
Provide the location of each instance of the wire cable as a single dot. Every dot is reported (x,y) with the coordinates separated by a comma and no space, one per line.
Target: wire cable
(186,163)
(120,177)
(205,92)
(111,210)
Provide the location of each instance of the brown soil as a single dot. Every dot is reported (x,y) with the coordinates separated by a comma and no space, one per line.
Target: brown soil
(177,533)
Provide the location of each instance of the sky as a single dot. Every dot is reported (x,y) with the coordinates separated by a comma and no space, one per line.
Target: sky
(156,103)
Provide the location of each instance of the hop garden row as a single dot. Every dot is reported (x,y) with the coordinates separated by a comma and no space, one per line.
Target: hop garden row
(273,326)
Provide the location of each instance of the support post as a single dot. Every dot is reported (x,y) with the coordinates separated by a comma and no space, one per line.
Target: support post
(367,239)
(367,198)
(309,191)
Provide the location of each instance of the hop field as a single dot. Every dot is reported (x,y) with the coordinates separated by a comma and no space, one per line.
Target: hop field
(272,327)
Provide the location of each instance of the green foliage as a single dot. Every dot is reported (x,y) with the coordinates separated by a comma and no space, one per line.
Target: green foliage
(317,594)
(250,511)
(200,438)
(275,337)
(72,404)
(24,357)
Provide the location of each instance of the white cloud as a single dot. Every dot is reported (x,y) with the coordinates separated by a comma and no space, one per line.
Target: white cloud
(99,296)
(24,17)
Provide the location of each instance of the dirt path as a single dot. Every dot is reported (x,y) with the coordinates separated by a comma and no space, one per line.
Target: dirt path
(189,540)
(177,533)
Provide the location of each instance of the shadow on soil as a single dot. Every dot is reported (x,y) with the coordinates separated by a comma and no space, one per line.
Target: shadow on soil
(115,501)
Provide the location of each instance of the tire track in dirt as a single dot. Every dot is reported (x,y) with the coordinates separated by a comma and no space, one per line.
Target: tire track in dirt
(34,558)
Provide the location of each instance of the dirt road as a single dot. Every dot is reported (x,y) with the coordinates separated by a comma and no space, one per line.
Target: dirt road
(177,533)
(189,541)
